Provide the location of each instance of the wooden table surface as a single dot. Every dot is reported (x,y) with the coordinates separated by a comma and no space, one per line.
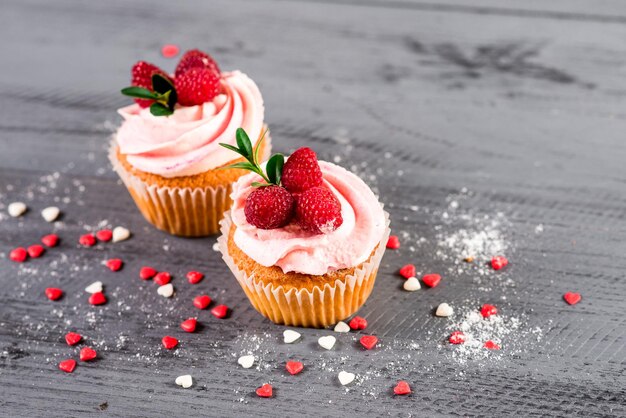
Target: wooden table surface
(467,118)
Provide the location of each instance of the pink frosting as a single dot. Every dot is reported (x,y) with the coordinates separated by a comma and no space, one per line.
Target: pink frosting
(187,142)
(293,249)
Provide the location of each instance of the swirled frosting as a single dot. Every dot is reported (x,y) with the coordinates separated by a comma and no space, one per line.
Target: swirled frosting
(187,142)
(293,249)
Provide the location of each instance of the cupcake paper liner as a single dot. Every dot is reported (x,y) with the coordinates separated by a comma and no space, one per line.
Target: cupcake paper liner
(182,211)
(317,308)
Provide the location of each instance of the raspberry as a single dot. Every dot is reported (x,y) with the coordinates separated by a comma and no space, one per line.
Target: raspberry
(196,58)
(301,171)
(269,207)
(318,210)
(142,73)
(197,86)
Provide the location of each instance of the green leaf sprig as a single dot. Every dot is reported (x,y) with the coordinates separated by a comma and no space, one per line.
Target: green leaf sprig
(273,168)
(163,93)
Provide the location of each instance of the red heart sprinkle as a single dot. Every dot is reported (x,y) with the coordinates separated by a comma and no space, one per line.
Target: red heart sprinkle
(87,240)
(72,338)
(114,264)
(431,280)
(50,240)
(54,293)
(407,271)
(499,262)
(220,311)
(402,388)
(393,242)
(457,337)
(368,341)
(169,50)
(104,235)
(265,391)
(487,310)
(194,277)
(358,322)
(572,298)
(491,345)
(201,302)
(97,299)
(189,325)
(147,273)
(169,342)
(294,367)
(162,278)
(19,255)
(67,366)
(87,354)
(36,250)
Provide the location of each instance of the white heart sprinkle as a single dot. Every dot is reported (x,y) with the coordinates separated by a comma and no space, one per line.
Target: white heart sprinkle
(444,310)
(290,336)
(95,287)
(185,381)
(327,342)
(16,209)
(216,247)
(50,214)
(246,361)
(120,234)
(342,327)
(412,284)
(167,290)
(345,378)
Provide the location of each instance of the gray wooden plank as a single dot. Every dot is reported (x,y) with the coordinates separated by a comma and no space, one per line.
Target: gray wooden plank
(513,101)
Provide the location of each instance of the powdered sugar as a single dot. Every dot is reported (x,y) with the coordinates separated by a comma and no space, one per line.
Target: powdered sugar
(510,332)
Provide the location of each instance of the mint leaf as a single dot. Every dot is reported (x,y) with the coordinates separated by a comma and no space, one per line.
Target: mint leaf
(158,109)
(165,88)
(161,84)
(244,165)
(274,168)
(258,146)
(140,93)
(244,144)
(230,147)
(257,184)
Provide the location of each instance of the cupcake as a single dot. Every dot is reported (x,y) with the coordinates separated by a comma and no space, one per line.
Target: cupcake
(167,150)
(304,239)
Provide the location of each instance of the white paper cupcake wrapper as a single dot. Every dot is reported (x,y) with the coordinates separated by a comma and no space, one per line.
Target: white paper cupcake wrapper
(320,307)
(183,211)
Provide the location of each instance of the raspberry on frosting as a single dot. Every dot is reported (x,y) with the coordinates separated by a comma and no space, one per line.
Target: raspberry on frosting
(195,58)
(269,207)
(196,86)
(318,210)
(301,171)
(197,80)
(291,248)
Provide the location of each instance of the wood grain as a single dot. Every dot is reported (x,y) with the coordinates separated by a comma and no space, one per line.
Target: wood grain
(522,103)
